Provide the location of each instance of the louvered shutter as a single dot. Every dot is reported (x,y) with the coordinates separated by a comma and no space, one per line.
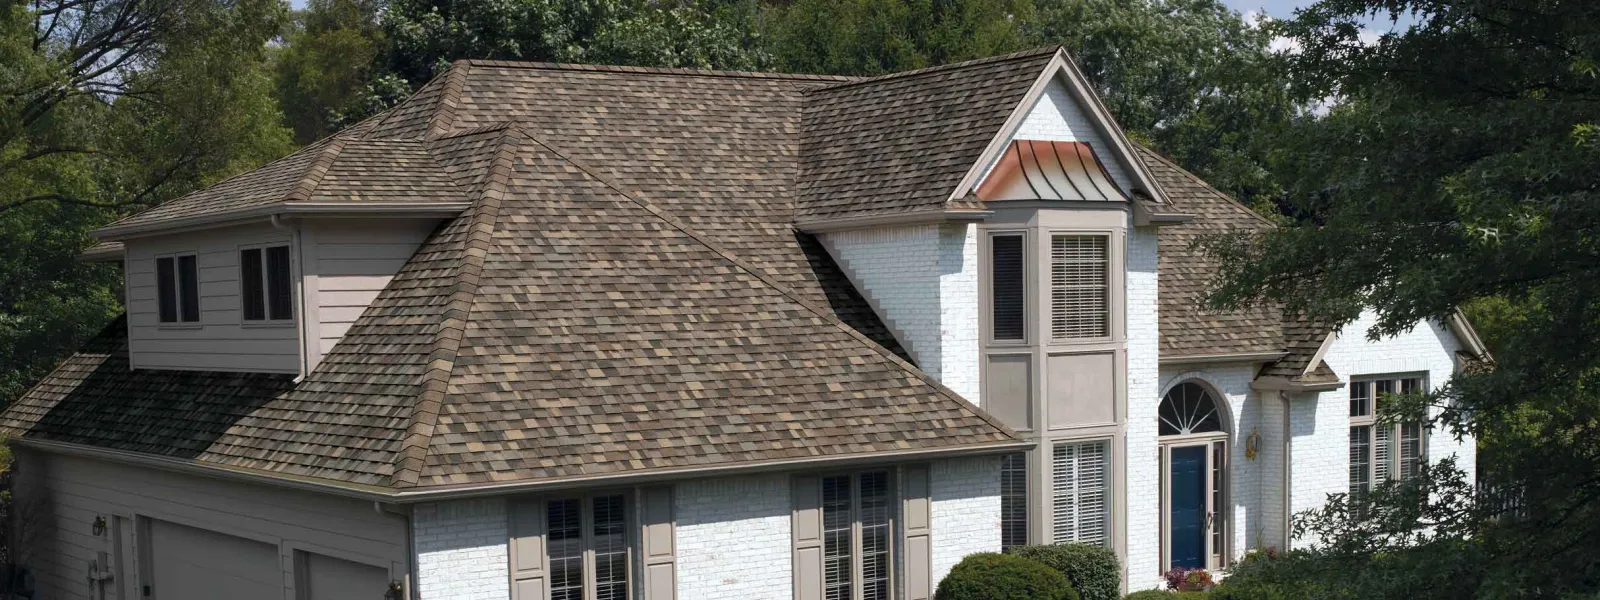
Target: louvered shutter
(1014,500)
(1079,287)
(528,573)
(1081,499)
(807,532)
(1382,452)
(1007,290)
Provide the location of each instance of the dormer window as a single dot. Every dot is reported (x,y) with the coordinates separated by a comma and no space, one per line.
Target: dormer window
(265,281)
(178,289)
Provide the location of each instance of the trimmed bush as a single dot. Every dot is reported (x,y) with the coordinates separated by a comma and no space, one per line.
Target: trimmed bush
(994,576)
(1093,570)
(1167,595)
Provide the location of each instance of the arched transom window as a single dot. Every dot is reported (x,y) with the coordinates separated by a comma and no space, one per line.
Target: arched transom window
(1189,408)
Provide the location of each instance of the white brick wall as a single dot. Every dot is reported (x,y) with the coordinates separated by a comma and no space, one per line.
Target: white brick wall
(965,516)
(461,550)
(923,282)
(1246,503)
(1058,117)
(733,538)
(1143,469)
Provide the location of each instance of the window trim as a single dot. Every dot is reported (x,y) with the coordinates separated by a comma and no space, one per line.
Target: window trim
(266,291)
(1026,458)
(894,505)
(177,282)
(1109,487)
(1029,264)
(630,530)
(1108,280)
(1373,423)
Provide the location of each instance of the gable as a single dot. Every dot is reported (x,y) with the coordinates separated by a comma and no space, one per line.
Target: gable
(1056,116)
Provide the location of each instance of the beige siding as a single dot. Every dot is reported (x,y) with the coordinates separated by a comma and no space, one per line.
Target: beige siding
(353,261)
(65,494)
(222,341)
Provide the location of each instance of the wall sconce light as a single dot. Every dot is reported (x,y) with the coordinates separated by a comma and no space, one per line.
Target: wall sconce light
(1251,444)
(99,525)
(395,592)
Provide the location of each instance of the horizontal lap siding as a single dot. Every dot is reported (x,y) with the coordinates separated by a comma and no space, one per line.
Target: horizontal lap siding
(63,495)
(222,341)
(354,262)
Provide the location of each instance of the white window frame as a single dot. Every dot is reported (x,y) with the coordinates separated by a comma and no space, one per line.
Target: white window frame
(1107,491)
(857,571)
(177,291)
(1379,470)
(586,524)
(266,286)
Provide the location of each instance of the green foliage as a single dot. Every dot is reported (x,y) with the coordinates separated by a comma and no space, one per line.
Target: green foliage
(326,64)
(1093,570)
(993,576)
(1455,168)
(1167,595)
(875,37)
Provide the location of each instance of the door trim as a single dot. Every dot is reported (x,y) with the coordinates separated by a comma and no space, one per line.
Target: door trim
(1216,558)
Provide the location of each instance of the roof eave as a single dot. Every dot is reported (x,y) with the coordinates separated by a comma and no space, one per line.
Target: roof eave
(440,210)
(1143,216)
(110,252)
(1285,384)
(918,217)
(1237,357)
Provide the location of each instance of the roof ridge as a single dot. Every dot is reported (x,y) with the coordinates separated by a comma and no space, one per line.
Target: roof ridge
(760,274)
(315,171)
(1196,178)
(446,342)
(444,112)
(682,71)
(1030,53)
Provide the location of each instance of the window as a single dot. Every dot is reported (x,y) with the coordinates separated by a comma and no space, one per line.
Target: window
(1374,457)
(265,282)
(177,289)
(1006,287)
(592,540)
(1081,497)
(1013,500)
(856,531)
(1079,287)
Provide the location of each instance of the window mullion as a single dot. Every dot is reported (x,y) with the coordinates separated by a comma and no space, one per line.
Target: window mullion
(857,562)
(586,509)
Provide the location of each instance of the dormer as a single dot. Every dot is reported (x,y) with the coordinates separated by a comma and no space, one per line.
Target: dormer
(266,271)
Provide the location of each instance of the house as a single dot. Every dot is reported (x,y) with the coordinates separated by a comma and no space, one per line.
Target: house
(577,332)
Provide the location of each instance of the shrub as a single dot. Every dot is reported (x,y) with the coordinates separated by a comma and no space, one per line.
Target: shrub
(1093,570)
(993,576)
(1188,580)
(1168,595)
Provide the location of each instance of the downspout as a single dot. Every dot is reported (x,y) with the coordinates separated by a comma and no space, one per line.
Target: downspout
(299,291)
(1288,473)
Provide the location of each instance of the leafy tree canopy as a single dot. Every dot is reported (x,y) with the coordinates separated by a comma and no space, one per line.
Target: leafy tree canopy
(1457,168)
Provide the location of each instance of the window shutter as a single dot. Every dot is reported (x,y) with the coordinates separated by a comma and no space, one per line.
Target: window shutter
(1382,452)
(528,579)
(1079,300)
(918,528)
(1006,287)
(807,532)
(655,510)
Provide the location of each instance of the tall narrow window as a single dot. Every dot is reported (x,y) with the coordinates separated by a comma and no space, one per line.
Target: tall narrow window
(266,282)
(857,536)
(566,549)
(587,548)
(1081,498)
(1219,457)
(1079,297)
(1014,500)
(610,542)
(1007,288)
(177,289)
(1382,450)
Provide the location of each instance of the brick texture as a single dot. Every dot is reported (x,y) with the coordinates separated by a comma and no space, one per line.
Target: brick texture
(965,516)
(461,550)
(733,538)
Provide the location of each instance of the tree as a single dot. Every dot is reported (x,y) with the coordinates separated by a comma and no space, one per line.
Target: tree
(107,107)
(1457,168)
(875,37)
(326,64)
(1191,78)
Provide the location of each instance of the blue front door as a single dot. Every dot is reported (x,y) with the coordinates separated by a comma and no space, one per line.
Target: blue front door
(1187,478)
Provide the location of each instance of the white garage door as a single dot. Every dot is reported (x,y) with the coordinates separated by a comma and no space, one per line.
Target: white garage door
(328,578)
(187,563)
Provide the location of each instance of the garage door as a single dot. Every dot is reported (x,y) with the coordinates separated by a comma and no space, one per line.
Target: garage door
(328,578)
(187,563)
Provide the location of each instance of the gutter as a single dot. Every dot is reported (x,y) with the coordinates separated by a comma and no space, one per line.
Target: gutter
(1283,384)
(116,232)
(1200,359)
(392,496)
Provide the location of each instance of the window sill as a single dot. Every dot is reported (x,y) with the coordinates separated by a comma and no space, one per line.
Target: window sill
(266,324)
(180,326)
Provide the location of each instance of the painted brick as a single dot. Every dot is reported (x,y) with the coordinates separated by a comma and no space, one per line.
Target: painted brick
(1058,117)
(733,538)
(965,514)
(923,282)
(461,550)
(1143,484)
